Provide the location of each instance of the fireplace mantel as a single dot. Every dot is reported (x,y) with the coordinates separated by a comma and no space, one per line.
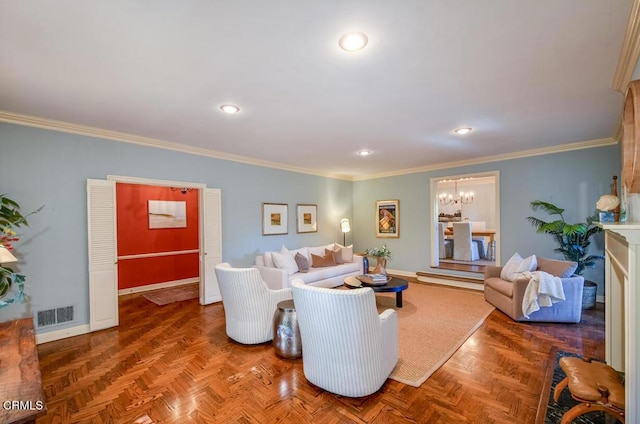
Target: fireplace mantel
(622,308)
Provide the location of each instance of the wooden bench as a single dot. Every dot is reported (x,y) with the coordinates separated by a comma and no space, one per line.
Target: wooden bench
(595,385)
(21,396)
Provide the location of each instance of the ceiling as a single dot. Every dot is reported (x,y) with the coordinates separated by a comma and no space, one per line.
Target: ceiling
(523,74)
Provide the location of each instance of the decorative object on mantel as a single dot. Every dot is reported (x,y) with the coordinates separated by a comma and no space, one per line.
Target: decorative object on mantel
(609,204)
(11,283)
(573,241)
(630,134)
(382,255)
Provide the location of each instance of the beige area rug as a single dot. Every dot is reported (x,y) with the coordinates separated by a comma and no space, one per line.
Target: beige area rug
(174,294)
(432,324)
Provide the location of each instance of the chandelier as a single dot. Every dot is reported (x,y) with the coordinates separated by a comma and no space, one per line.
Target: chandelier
(462,197)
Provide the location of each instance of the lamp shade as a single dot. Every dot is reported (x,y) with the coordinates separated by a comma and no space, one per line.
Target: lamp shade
(344,225)
(6,256)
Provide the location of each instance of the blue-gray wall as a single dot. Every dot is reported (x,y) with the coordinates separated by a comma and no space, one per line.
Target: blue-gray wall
(41,167)
(572,180)
(51,168)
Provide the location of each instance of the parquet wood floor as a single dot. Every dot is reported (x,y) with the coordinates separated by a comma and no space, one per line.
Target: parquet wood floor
(175,364)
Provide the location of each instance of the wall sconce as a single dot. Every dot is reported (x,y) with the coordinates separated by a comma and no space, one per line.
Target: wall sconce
(345,227)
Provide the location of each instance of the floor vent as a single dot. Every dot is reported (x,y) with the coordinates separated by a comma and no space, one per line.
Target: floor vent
(55,316)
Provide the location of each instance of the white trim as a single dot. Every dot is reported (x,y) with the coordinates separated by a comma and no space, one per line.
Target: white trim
(158,254)
(32,121)
(630,50)
(156,286)
(602,142)
(62,334)
(154,182)
(402,273)
(50,124)
(452,283)
(433,207)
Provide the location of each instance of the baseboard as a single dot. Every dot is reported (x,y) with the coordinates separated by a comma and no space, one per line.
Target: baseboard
(448,281)
(149,287)
(600,299)
(401,273)
(62,334)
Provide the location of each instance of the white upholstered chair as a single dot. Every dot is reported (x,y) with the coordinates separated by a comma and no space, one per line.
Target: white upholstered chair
(249,304)
(347,347)
(464,248)
(480,241)
(445,246)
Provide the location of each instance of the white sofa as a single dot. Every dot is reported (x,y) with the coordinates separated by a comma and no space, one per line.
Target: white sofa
(330,276)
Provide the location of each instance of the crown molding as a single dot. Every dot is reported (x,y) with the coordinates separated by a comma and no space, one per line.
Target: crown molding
(53,125)
(66,127)
(497,158)
(630,51)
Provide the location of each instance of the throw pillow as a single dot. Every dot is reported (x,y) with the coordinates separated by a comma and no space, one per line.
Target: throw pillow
(562,269)
(319,251)
(302,262)
(268,260)
(516,265)
(304,251)
(285,261)
(347,252)
(322,261)
(337,255)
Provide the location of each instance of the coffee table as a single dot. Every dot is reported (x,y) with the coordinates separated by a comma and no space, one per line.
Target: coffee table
(395,284)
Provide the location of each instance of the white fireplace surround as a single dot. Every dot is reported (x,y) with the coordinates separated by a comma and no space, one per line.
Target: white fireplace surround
(622,313)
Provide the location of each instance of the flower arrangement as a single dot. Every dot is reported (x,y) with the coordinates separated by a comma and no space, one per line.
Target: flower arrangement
(379,252)
(11,217)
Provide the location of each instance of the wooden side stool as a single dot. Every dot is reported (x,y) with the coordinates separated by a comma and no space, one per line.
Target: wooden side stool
(595,385)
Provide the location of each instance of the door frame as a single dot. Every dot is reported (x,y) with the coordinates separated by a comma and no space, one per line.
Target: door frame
(166,183)
(433,199)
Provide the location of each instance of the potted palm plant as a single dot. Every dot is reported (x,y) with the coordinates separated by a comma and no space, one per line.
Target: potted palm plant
(11,218)
(573,241)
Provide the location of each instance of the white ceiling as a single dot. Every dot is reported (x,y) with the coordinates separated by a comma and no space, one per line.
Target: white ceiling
(524,74)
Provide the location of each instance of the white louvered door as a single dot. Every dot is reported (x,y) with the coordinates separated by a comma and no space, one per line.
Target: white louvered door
(210,244)
(103,271)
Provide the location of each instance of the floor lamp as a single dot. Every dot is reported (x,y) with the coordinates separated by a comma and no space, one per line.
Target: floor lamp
(344,226)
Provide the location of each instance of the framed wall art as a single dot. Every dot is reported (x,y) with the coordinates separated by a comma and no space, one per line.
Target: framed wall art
(274,219)
(307,218)
(388,218)
(167,214)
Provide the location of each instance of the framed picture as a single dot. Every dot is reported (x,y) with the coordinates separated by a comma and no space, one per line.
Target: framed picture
(167,214)
(307,219)
(388,218)
(274,219)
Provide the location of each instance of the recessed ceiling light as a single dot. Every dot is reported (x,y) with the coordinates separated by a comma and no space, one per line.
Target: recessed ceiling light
(230,108)
(353,41)
(462,131)
(364,152)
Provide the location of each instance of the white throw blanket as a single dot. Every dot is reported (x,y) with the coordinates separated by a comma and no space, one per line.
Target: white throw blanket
(543,289)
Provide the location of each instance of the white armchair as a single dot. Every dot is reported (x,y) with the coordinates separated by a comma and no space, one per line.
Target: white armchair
(249,305)
(347,347)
